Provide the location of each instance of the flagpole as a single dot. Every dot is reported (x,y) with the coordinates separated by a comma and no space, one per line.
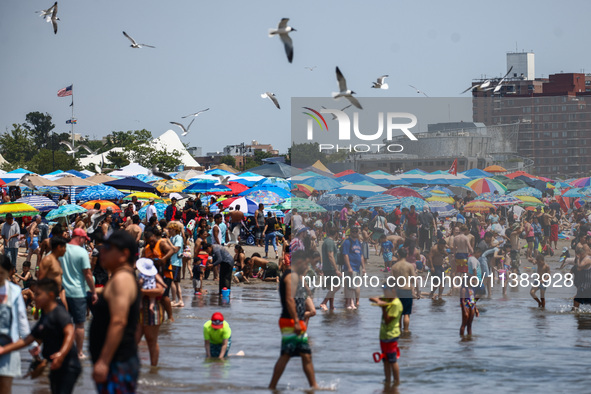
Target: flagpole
(72,122)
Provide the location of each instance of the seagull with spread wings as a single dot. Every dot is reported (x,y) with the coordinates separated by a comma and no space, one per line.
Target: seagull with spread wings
(134,44)
(70,147)
(379,84)
(344,92)
(283,30)
(418,90)
(272,97)
(196,114)
(185,129)
(157,172)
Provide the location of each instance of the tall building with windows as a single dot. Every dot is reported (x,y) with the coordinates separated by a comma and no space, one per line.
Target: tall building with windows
(554,114)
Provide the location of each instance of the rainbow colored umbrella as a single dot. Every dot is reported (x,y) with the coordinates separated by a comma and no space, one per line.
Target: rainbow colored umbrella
(486,185)
(17,209)
(581,182)
(478,206)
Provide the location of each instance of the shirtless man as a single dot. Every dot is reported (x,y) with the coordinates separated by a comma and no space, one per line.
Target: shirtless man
(45,246)
(403,271)
(396,240)
(236,219)
(543,268)
(470,236)
(460,246)
(435,259)
(514,238)
(134,229)
(51,268)
(583,244)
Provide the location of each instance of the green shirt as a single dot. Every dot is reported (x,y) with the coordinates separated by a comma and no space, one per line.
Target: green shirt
(328,245)
(392,329)
(216,337)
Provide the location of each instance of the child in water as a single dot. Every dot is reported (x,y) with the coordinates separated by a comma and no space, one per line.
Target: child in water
(386,250)
(543,268)
(389,332)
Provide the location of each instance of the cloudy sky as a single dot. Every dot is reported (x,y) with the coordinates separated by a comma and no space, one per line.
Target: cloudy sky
(217,54)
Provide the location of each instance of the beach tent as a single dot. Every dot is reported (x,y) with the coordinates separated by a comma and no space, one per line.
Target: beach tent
(132,169)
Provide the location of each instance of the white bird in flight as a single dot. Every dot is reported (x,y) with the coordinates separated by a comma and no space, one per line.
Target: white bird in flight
(283,30)
(185,130)
(272,97)
(90,151)
(46,14)
(223,180)
(51,18)
(310,68)
(135,44)
(70,147)
(334,117)
(196,114)
(380,83)
(344,92)
(418,90)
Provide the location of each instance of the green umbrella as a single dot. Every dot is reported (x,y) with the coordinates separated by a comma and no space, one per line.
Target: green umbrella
(501,178)
(302,205)
(515,184)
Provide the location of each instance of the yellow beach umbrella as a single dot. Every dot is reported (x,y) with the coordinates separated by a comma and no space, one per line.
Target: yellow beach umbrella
(170,185)
(529,201)
(443,198)
(17,209)
(144,196)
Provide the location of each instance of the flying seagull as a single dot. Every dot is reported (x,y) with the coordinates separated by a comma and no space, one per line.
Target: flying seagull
(135,44)
(283,30)
(344,92)
(334,117)
(90,151)
(418,91)
(310,68)
(196,114)
(272,97)
(26,180)
(53,18)
(223,180)
(46,14)
(185,130)
(500,84)
(70,147)
(380,83)
(157,172)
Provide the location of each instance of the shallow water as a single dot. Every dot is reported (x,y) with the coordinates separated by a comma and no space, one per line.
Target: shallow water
(516,347)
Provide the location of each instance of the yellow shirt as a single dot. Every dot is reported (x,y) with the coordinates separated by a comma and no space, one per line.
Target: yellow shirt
(392,329)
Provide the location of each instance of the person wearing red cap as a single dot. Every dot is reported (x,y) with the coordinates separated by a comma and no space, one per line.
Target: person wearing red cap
(217,336)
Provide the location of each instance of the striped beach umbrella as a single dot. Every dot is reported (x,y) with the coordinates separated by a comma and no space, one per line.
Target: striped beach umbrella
(43,204)
(443,209)
(385,201)
(581,182)
(486,185)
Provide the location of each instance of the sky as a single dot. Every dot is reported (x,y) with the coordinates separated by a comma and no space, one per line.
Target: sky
(218,55)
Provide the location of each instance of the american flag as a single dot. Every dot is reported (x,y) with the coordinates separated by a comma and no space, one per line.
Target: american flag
(67,91)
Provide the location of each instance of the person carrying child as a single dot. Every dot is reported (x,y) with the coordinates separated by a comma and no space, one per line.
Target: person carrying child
(389,333)
(148,276)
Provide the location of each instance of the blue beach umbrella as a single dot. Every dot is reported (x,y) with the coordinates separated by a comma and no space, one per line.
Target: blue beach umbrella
(443,209)
(65,211)
(385,201)
(160,208)
(417,202)
(100,192)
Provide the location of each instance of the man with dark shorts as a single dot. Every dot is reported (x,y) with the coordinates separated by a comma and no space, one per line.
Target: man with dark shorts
(236,219)
(294,337)
(412,219)
(223,258)
(582,278)
(329,266)
(403,272)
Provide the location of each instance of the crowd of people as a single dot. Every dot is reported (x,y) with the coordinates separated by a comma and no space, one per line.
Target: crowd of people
(126,273)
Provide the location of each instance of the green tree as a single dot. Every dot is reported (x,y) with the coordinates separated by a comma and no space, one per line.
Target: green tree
(47,160)
(39,126)
(229,160)
(117,159)
(17,146)
(302,155)
(126,139)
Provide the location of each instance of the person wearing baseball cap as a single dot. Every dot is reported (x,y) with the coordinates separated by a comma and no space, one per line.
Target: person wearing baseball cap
(218,337)
(151,210)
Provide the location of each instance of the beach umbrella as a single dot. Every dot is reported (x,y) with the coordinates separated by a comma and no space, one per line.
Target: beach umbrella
(100,178)
(306,189)
(332,202)
(527,191)
(160,208)
(402,192)
(460,190)
(575,192)
(43,204)
(528,201)
(515,184)
(478,206)
(515,174)
(265,197)
(205,186)
(65,211)
(499,200)
(321,183)
(235,188)
(442,189)
(17,209)
(406,202)
(169,185)
(281,192)
(425,193)
(495,169)
(581,182)
(104,205)
(147,178)
(441,198)
(36,180)
(247,206)
(361,189)
(343,173)
(443,209)
(302,205)
(486,185)
(72,180)
(144,196)
(476,173)
(385,201)
(100,192)
(277,182)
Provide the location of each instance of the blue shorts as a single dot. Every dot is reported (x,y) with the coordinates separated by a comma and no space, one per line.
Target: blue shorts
(214,350)
(176,273)
(406,298)
(122,377)
(77,309)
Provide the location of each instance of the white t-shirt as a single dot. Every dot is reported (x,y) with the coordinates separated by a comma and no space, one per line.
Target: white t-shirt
(151,211)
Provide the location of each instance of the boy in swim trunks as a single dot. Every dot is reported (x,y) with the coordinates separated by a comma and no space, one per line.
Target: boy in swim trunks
(386,252)
(389,332)
(543,268)
(468,306)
